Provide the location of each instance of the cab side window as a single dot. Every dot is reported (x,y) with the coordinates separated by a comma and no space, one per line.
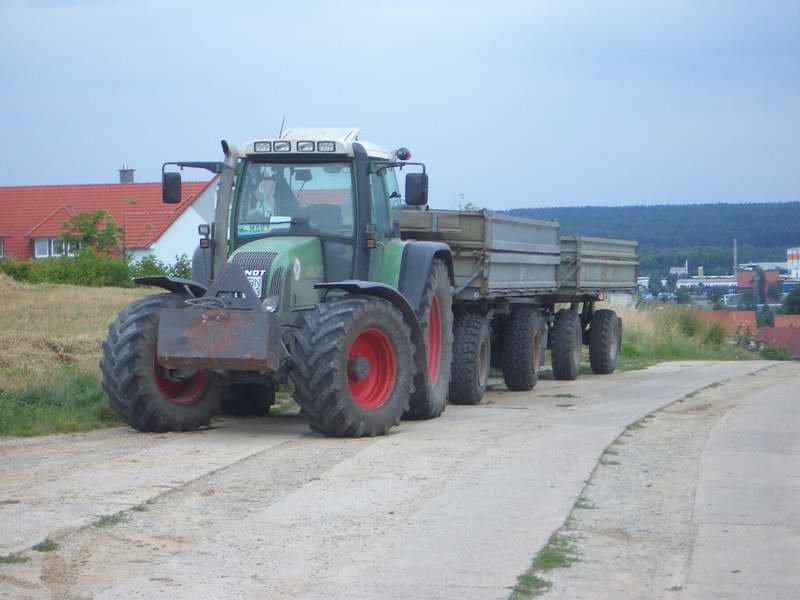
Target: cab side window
(380,207)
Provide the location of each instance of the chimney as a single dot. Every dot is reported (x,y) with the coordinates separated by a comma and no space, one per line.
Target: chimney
(126,174)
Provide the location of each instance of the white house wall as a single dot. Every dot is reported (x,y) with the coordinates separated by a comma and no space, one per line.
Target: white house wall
(181,237)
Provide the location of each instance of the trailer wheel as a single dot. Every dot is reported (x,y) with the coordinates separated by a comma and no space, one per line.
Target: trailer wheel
(565,346)
(605,339)
(471,358)
(524,342)
(144,394)
(353,367)
(248,399)
(436,317)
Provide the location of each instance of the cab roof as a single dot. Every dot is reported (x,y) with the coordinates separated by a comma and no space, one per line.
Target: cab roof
(341,137)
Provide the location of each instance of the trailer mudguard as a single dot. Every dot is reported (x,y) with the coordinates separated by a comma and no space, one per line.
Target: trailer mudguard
(415,266)
(184,287)
(381,290)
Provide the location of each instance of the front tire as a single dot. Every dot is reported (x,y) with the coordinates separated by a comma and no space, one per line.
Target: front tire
(605,340)
(145,395)
(353,367)
(565,349)
(436,317)
(471,360)
(523,349)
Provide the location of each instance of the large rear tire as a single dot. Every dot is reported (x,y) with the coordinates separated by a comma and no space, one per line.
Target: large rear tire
(471,358)
(145,395)
(605,339)
(524,342)
(353,367)
(565,347)
(435,314)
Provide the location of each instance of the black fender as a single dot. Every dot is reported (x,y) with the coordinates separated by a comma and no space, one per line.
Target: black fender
(416,264)
(388,293)
(177,285)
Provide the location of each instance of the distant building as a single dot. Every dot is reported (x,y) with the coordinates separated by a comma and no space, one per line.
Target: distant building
(793,262)
(680,271)
(31,217)
(744,279)
(765,266)
(720,281)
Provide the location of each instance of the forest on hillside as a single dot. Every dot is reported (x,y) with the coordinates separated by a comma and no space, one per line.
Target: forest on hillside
(703,234)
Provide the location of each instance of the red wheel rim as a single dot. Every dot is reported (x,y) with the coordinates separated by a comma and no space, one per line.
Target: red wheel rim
(434,340)
(183,392)
(372,387)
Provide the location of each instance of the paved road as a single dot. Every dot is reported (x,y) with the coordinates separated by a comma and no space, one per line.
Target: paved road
(450,508)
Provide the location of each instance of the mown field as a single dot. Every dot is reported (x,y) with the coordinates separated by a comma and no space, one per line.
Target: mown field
(50,339)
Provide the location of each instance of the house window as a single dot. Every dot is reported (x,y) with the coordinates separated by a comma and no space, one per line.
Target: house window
(41,248)
(47,247)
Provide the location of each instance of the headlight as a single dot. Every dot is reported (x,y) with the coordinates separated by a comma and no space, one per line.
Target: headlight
(282,147)
(326,146)
(305,146)
(262,147)
(270,304)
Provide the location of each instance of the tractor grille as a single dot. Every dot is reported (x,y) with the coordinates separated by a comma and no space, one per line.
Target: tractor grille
(277,279)
(256,261)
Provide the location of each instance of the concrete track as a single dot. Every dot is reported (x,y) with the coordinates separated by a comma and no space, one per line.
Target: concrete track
(262,508)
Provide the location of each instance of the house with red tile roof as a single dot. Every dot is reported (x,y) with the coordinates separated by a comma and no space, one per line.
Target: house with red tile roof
(787,320)
(32,217)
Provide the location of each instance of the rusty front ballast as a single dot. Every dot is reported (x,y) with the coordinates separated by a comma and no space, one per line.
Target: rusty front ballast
(227,329)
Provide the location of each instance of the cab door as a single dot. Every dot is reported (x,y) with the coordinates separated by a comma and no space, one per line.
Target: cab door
(381,219)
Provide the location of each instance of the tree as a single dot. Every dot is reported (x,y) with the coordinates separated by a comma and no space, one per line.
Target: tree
(747,300)
(95,232)
(683,296)
(765,317)
(791,304)
(715,295)
(672,282)
(775,291)
(655,286)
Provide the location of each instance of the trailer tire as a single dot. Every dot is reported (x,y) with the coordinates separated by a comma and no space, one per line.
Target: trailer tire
(435,315)
(140,391)
(566,343)
(353,367)
(471,358)
(248,399)
(605,341)
(524,342)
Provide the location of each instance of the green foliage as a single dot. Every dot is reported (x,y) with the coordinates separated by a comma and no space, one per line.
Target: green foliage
(775,353)
(765,317)
(747,300)
(775,291)
(700,233)
(93,270)
(86,269)
(674,333)
(69,401)
(96,231)
(791,304)
(683,296)
(150,266)
(655,286)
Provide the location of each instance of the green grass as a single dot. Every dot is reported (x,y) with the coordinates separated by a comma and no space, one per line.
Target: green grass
(13,559)
(655,335)
(64,401)
(559,553)
(47,545)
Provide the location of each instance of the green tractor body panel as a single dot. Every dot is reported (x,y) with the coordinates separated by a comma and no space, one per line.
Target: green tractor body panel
(391,263)
(285,268)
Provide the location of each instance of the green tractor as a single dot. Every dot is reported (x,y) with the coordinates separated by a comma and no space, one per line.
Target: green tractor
(302,278)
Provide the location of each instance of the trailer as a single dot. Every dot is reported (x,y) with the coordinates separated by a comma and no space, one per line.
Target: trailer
(318,272)
(512,276)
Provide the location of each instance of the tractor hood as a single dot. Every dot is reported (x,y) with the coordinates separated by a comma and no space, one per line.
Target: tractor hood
(283,269)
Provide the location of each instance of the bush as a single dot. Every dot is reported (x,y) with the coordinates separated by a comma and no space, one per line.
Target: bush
(150,266)
(714,335)
(775,353)
(21,271)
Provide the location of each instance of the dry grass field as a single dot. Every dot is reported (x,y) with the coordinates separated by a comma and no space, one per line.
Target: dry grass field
(50,338)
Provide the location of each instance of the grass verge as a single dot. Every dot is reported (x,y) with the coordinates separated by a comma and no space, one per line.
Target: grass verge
(62,400)
(559,553)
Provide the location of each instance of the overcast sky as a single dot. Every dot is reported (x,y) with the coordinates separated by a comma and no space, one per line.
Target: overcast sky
(510,104)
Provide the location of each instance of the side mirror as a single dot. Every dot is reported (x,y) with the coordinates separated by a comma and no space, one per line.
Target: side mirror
(417,189)
(171,188)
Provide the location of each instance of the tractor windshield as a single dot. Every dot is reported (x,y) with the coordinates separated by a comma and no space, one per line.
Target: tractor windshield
(312,199)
